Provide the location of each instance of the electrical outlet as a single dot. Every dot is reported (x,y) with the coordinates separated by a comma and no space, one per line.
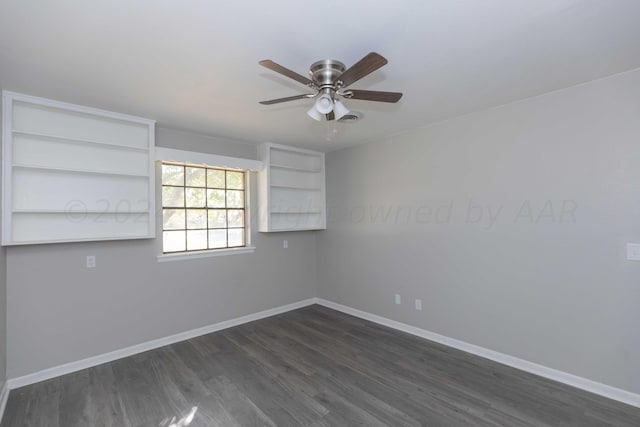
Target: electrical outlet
(91,261)
(633,251)
(285,244)
(398,299)
(418,304)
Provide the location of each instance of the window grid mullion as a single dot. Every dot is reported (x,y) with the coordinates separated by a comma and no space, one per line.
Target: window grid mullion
(207,209)
(206,202)
(184,203)
(226,211)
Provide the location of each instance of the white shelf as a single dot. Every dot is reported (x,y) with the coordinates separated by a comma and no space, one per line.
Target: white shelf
(73,240)
(80,171)
(74,174)
(282,230)
(296,187)
(78,211)
(78,140)
(296,168)
(31,228)
(293,158)
(291,189)
(283,212)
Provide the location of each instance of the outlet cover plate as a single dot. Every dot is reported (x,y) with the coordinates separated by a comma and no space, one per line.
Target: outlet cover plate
(633,251)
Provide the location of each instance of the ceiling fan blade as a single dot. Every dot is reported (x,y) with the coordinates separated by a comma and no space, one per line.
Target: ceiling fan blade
(360,69)
(373,95)
(286,72)
(288,98)
(330,116)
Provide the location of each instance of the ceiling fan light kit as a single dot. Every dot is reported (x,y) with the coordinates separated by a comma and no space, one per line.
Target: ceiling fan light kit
(314,113)
(339,110)
(329,78)
(324,103)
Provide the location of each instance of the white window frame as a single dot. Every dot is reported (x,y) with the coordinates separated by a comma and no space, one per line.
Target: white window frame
(212,161)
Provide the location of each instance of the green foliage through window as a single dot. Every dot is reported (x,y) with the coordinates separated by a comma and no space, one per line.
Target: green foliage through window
(202,208)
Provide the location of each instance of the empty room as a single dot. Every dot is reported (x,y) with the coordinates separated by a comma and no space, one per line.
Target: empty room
(418,213)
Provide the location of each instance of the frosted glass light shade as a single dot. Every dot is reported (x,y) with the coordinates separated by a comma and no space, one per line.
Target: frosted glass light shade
(324,104)
(339,110)
(314,114)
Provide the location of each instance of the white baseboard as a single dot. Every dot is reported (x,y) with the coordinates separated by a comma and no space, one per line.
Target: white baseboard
(67,368)
(515,362)
(4,395)
(524,365)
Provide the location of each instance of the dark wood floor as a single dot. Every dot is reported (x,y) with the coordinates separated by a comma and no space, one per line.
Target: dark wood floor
(309,367)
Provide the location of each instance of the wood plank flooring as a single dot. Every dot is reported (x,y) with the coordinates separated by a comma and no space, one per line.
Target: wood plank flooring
(311,367)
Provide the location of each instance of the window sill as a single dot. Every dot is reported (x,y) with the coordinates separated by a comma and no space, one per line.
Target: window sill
(179,256)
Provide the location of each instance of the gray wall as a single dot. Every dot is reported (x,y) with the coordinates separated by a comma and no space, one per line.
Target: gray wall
(182,140)
(62,312)
(509,224)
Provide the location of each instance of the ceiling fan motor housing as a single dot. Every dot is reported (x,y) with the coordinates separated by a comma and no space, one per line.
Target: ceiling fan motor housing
(323,73)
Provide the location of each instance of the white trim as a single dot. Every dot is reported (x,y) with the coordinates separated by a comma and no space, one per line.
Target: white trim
(76,108)
(181,156)
(4,396)
(614,393)
(620,395)
(7,176)
(182,256)
(67,368)
(298,149)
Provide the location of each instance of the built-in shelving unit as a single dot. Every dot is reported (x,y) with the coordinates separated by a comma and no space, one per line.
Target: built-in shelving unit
(291,189)
(72,173)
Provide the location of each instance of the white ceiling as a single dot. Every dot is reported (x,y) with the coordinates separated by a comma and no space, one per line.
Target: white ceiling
(193,64)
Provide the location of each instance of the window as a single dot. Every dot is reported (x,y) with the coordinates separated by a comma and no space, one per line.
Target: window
(203,208)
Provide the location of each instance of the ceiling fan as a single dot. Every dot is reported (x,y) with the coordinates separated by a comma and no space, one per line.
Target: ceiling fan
(330,79)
